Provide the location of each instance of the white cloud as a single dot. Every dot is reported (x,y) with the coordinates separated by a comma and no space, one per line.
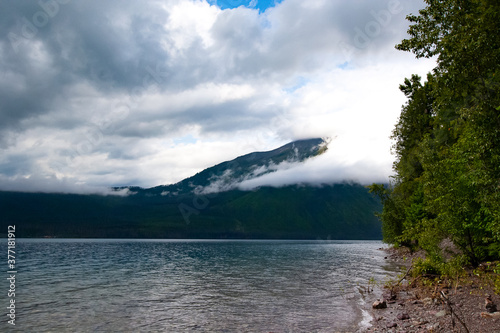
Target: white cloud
(189,21)
(106,103)
(36,183)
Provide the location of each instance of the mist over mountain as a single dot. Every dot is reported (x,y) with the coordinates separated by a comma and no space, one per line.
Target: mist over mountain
(229,175)
(210,204)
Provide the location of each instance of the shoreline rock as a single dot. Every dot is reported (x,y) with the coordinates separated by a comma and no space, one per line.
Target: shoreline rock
(379,304)
(440,307)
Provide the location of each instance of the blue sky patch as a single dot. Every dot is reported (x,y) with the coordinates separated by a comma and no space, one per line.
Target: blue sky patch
(261,5)
(298,83)
(187,139)
(344,65)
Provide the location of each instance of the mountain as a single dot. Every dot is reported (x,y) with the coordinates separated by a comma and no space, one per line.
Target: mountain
(193,209)
(227,175)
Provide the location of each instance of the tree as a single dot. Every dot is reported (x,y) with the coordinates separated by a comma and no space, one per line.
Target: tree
(392,215)
(447,139)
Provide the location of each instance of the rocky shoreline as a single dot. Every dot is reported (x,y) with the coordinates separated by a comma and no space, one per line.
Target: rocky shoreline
(466,305)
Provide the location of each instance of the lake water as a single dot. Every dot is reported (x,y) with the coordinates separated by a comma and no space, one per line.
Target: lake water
(193,285)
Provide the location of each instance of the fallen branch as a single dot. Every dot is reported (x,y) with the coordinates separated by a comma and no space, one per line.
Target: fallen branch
(406,274)
(447,301)
(399,282)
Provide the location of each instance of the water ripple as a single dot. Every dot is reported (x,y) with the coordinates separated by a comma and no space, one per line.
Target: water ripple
(199,286)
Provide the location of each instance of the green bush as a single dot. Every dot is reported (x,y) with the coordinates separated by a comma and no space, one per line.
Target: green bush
(426,267)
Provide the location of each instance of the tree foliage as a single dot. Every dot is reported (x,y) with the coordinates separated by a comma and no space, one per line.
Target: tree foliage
(340,211)
(447,139)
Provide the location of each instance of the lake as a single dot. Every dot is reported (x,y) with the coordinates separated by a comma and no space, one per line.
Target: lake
(83,285)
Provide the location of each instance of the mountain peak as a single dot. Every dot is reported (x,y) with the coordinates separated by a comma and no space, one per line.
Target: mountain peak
(227,175)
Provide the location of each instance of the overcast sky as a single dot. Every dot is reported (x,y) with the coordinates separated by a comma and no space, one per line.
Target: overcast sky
(110,93)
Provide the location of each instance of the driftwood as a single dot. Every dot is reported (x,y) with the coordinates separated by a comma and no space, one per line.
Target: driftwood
(406,274)
(447,302)
(494,315)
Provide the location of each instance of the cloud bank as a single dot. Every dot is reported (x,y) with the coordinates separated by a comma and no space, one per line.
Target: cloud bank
(97,94)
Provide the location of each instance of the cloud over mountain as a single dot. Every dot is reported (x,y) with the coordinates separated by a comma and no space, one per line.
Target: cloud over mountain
(130,93)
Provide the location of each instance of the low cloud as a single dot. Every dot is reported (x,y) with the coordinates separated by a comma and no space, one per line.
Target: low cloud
(228,181)
(55,185)
(323,170)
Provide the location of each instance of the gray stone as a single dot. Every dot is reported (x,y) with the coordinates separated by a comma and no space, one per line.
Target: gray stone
(378,304)
(403,316)
(428,301)
(441,313)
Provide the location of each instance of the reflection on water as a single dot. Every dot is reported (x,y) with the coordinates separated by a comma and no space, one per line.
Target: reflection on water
(199,286)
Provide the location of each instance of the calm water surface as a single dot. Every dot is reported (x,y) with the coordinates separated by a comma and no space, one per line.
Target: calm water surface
(72,285)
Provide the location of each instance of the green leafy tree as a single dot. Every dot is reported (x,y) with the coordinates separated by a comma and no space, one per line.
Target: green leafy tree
(404,206)
(392,214)
(447,140)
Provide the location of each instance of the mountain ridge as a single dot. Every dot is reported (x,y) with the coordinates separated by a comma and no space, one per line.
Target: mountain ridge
(227,175)
(335,211)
